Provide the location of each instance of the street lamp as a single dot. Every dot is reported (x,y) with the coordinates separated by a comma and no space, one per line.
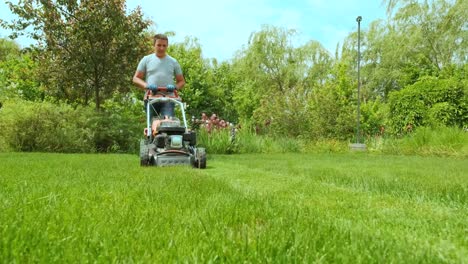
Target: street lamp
(358,135)
(358,145)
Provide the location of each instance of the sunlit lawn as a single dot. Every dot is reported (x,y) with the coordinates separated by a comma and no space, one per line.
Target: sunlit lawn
(352,208)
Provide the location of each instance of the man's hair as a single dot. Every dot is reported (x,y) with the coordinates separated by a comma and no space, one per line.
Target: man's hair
(159,36)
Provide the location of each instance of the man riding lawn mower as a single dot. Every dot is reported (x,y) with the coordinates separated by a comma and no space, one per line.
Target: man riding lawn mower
(168,142)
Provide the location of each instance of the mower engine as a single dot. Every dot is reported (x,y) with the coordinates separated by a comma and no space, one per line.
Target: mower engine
(167,142)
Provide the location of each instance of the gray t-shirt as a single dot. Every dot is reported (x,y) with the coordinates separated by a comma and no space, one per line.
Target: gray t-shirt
(159,71)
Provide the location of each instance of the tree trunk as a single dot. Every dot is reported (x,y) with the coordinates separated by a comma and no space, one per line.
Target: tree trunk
(98,100)
(97,85)
(96,93)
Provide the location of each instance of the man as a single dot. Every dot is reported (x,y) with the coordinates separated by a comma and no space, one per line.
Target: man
(159,70)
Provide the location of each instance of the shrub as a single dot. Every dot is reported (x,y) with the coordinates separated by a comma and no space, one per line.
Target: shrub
(373,114)
(33,126)
(119,126)
(428,102)
(49,127)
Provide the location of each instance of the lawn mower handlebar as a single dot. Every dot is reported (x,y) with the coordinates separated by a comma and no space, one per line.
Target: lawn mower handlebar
(161,91)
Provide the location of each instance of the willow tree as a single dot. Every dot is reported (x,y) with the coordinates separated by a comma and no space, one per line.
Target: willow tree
(88,49)
(266,68)
(278,79)
(431,34)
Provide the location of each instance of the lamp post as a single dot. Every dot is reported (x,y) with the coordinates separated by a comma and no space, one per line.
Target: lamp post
(358,134)
(358,145)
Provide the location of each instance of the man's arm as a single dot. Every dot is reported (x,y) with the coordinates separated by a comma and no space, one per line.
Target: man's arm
(180,81)
(138,80)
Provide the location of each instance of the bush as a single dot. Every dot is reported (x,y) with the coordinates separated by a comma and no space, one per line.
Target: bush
(373,114)
(33,126)
(49,127)
(332,114)
(119,126)
(428,102)
(18,78)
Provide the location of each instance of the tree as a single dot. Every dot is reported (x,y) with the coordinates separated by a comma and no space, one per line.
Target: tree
(18,73)
(222,83)
(266,67)
(332,110)
(433,33)
(88,49)
(316,62)
(194,68)
(209,85)
(419,38)
(8,49)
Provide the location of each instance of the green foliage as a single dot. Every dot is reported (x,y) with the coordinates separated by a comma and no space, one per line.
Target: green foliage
(19,80)
(314,64)
(437,26)
(87,49)
(326,146)
(194,68)
(48,127)
(247,141)
(373,117)
(424,141)
(216,141)
(419,38)
(413,73)
(280,82)
(221,91)
(119,126)
(283,113)
(440,141)
(430,101)
(246,99)
(332,110)
(208,85)
(8,49)
(267,67)
(244,140)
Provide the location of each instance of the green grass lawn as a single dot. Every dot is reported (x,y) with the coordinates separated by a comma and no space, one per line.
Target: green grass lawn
(282,208)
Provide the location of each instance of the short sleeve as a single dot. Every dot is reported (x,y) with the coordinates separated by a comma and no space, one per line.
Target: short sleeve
(177,68)
(142,65)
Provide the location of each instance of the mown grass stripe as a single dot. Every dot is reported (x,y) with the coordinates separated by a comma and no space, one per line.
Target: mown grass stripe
(243,208)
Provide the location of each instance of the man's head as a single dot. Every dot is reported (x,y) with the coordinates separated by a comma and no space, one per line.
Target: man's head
(160,43)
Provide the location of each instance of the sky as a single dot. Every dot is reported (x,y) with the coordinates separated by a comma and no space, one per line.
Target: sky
(223,27)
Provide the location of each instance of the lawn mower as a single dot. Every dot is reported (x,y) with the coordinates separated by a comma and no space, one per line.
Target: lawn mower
(167,142)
